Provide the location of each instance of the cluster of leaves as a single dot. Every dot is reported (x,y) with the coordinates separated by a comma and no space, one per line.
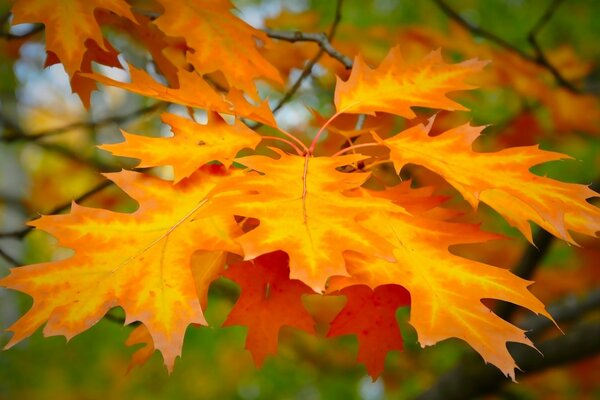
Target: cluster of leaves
(302,219)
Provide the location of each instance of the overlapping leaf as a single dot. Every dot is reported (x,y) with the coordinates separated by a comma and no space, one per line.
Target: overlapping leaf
(269,300)
(192,145)
(139,261)
(500,179)
(193,91)
(69,24)
(303,211)
(371,315)
(218,40)
(395,87)
(446,290)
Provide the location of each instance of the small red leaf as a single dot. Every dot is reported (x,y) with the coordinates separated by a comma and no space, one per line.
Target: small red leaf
(269,300)
(371,316)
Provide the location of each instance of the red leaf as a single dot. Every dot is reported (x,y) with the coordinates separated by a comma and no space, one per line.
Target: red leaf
(269,300)
(371,316)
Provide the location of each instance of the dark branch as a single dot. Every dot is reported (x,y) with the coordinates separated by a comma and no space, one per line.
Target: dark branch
(10,259)
(564,311)
(59,209)
(320,38)
(539,58)
(310,65)
(526,266)
(472,378)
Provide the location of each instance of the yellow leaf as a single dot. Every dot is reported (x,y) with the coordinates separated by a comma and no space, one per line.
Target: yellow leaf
(139,261)
(68,23)
(218,40)
(303,211)
(395,87)
(193,91)
(500,179)
(446,290)
(192,146)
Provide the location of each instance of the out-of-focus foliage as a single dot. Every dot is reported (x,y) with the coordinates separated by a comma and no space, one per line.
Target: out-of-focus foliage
(521,100)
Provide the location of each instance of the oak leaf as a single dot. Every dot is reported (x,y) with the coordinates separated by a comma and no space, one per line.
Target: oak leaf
(500,179)
(370,314)
(192,145)
(69,24)
(303,211)
(395,87)
(445,290)
(268,301)
(139,261)
(193,91)
(218,41)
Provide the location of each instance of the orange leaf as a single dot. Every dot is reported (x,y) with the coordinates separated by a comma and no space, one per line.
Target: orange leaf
(269,300)
(140,335)
(69,24)
(139,261)
(192,146)
(371,315)
(193,91)
(219,41)
(500,179)
(395,87)
(303,211)
(445,290)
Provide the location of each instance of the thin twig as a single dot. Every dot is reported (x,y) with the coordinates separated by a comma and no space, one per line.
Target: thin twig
(20,135)
(320,38)
(10,259)
(539,58)
(309,66)
(19,234)
(526,267)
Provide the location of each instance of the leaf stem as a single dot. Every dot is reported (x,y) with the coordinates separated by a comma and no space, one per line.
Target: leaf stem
(294,138)
(311,149)
(356,146)
(298,151)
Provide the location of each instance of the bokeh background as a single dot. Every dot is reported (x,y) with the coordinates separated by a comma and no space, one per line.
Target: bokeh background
(542,86)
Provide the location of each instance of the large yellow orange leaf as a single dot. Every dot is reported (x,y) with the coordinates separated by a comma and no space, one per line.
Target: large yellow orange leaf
(219,41)
(68,23)
(446,290)
(139,261)
(193,91)
(206,267)
(395,87)
(192,145)
(303,211)
(500,179)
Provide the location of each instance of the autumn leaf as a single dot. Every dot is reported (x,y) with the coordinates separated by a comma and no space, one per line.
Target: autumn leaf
(268,301)
(192,145)
(370,314)
(218,41)
(445,290)
(303,211)
(140,335)
(500,179)
(193,91)
(139,261)
(395,87)
(69,24)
